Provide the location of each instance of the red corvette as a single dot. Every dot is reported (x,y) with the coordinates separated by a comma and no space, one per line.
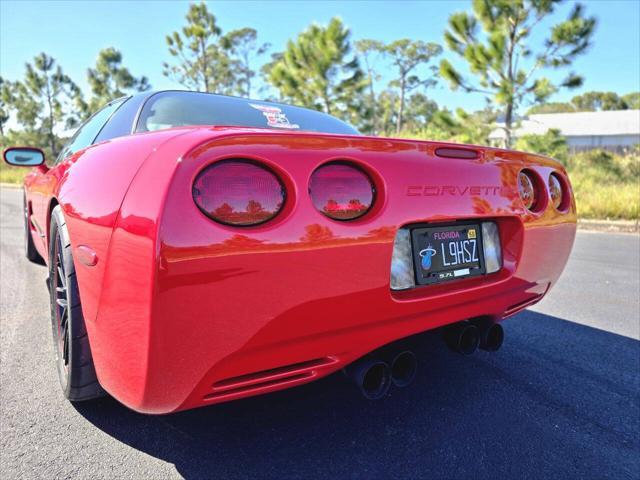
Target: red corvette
(204,248)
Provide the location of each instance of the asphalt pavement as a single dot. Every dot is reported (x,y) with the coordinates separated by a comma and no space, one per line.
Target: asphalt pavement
(561,399)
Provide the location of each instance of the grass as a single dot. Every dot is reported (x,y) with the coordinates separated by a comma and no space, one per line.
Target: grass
(9,174)
(606,186)
(613,201)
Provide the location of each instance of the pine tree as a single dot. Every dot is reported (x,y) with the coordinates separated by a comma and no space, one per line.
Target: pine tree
(108,80)
(407,56)
(243,45)
(42,101)
(506,69)
(202,61)
(317,71)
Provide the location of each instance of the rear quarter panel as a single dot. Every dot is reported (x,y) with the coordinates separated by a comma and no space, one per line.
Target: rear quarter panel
(90,187)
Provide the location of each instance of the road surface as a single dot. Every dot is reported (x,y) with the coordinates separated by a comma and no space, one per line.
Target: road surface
(559,400)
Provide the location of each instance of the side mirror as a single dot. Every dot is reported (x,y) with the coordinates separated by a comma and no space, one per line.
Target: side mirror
(24,156)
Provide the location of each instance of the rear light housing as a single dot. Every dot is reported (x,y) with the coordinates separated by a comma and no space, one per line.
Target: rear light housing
(530,191)
(341,191)
(238,193)
(558,192)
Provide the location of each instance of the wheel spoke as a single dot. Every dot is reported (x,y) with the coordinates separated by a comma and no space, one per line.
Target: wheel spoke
(64,316)
(63,280)
(65,348)
(63,331)
(64,336)
(59,286)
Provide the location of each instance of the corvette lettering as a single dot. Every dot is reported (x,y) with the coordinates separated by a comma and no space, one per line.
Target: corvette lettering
(451,190)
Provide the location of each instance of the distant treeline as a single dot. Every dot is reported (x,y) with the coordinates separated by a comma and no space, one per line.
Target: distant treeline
(323,68)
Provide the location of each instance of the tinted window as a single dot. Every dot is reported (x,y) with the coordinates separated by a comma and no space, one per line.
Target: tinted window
(89,130)
(121,122)
(176,109)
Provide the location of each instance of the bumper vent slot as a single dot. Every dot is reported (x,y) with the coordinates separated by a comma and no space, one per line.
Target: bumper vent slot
(513,309)
(269,378)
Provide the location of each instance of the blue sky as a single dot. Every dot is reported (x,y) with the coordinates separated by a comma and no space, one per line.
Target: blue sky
(74,31)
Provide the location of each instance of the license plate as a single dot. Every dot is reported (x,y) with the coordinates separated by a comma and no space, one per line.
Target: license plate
(447,253)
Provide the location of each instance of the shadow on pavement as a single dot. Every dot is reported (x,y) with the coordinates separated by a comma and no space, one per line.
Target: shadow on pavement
(558,400)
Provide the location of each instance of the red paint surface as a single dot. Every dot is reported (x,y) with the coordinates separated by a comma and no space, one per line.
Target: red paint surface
(182,311)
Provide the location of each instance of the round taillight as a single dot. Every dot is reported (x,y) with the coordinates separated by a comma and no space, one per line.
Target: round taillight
(238,192)
(341,191)
(556,191)
(527,190)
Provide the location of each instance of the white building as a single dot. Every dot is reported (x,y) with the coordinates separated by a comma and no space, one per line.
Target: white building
(611,130)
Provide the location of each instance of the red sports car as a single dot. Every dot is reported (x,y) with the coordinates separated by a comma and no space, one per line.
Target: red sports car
(204,248)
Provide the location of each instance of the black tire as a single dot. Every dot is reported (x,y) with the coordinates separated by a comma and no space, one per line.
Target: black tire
(70,341)
(29,248)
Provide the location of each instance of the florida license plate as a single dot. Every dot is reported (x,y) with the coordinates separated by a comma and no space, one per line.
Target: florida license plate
(447,253)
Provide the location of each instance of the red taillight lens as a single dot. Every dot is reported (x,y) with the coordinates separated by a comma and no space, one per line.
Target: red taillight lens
(527,190)
(556,191)
(341,191)
(238,192)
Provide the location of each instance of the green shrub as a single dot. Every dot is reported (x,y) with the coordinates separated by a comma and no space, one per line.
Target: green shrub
(551,144)
(606,185)
(9,174)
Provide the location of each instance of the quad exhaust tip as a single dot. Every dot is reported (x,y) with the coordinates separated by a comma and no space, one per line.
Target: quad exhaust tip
(491,337)
(372,377)
(403,368)
(465,337)
(462,337)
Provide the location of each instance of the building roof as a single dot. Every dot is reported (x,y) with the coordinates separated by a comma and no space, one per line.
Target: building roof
(578,124)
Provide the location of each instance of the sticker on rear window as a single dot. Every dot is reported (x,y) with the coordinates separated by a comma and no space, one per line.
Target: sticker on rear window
(275,117)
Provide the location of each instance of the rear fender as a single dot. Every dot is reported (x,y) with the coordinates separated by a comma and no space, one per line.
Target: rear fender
(120,348)
(91,186)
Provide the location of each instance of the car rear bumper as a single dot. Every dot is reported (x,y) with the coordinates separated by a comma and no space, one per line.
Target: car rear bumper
(225,327)
(304,336)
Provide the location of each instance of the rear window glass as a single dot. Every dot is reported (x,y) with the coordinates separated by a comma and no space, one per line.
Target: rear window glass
(178,109)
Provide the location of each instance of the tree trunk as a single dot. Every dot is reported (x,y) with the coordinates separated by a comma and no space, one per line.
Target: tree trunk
(508,118)
(52,140)
(401,109)
(508,122)
(374,113)
(327,105)
(248,74)
(204,66)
